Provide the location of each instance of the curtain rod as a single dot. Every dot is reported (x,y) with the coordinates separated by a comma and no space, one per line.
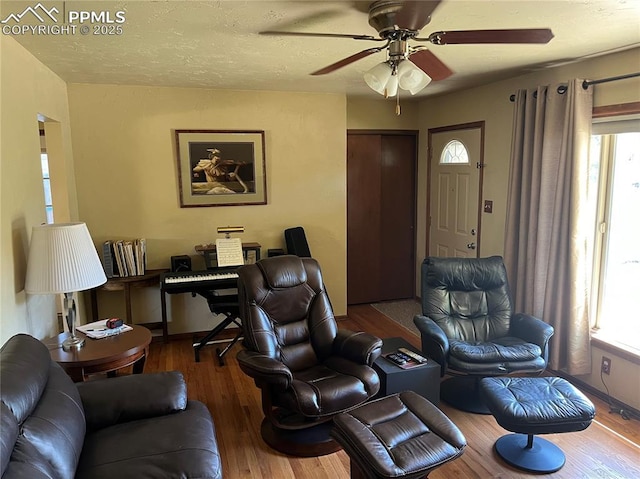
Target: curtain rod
(587,83)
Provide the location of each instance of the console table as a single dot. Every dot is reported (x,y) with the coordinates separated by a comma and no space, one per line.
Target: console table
(149,279)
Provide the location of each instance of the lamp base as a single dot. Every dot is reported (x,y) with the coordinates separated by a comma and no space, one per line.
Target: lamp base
(73,343)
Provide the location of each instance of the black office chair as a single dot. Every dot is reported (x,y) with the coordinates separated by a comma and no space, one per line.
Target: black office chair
(225,304)
(222,301)
(296,242)
(468,326)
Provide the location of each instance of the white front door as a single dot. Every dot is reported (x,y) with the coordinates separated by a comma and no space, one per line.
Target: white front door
(455,176)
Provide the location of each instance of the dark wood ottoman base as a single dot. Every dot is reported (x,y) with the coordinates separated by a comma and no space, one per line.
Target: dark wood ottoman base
(531,406)
(398,436)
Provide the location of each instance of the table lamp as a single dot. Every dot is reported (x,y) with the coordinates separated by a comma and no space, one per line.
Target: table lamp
(63,259)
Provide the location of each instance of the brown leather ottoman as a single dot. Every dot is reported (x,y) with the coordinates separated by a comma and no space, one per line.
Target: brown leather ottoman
(398,436)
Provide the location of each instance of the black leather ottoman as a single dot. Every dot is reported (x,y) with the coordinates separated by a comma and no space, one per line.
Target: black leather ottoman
(398,436)
(531,406)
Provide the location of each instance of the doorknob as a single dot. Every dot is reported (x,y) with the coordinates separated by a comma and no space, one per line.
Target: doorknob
(471,245)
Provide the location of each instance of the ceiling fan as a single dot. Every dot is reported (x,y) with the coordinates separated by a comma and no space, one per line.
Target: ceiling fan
(398,23)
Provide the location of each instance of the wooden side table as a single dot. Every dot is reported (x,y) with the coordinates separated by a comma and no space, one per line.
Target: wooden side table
(149,279)
(102,355)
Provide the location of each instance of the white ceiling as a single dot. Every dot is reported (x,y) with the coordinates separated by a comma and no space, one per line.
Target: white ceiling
(215,44)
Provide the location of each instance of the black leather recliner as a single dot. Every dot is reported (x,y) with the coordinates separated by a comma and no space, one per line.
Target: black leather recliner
(308,369)
(468,326)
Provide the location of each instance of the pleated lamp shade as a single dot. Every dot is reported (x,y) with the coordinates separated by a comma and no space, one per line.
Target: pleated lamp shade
(62,259)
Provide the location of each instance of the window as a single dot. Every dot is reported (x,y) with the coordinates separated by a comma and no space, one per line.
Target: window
(454,152)
(46,179)
(48,202)
(615,189)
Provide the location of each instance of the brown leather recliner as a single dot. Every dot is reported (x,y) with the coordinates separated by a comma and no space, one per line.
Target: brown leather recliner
(308,369)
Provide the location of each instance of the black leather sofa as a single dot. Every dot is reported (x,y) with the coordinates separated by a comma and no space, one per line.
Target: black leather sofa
(136,426)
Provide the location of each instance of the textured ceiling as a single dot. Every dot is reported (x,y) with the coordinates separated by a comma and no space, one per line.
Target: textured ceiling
(215,44)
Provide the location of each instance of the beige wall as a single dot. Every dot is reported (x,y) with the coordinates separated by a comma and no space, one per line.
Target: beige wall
(28,89)
(380,114)
(491,104)
(127,186)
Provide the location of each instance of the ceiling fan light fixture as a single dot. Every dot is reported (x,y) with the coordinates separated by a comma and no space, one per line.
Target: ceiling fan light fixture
(412,78)
(426,79)
(378,77)
(391,88)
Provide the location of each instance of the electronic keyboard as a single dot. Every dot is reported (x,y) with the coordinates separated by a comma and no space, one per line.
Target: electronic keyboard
(198,281)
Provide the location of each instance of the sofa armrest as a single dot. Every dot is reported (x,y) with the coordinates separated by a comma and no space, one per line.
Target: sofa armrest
(111,401)
(359,347)
(435,343)
(264,369)
(532,330)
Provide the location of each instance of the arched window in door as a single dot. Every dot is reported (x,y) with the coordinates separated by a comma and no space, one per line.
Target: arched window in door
(454,152)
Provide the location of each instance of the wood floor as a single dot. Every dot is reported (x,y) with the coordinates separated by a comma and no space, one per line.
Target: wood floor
(609,448)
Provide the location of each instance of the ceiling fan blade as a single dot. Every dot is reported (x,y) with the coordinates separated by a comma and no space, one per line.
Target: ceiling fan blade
(431,65)
(308,21)
(330,35)
(523,35)
(415,15)
(346,61)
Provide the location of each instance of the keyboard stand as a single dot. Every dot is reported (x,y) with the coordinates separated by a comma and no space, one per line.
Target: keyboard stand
(219,302)
(231,313)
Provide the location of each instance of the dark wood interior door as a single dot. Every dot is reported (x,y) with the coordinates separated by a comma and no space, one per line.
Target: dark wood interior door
(381,198)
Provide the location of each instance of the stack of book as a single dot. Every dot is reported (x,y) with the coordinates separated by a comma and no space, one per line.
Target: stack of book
(123,258)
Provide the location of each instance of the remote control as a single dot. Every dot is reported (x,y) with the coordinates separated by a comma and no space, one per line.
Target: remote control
(412,355)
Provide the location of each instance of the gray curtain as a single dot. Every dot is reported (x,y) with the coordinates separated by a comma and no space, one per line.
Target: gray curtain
(548,223)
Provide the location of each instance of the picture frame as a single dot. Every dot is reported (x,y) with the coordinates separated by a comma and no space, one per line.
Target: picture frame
(221,167)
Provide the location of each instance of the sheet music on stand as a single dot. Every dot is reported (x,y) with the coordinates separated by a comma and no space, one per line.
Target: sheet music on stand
(229,252)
